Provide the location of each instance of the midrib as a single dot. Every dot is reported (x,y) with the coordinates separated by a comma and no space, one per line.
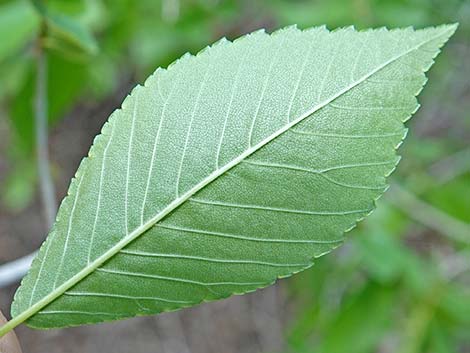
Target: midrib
(183,198)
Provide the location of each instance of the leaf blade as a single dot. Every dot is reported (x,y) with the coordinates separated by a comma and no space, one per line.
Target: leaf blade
(273,148)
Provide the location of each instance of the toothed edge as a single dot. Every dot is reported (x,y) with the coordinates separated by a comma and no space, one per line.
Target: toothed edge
(103,134)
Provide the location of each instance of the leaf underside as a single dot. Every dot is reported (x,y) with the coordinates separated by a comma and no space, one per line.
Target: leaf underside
(228,170)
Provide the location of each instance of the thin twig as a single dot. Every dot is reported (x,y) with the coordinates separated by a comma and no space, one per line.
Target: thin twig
(428,215)
(451,167)
(42,154)
(455,264)
(13,271)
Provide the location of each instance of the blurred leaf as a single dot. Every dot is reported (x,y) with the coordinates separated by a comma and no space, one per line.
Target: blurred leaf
(456,304)
(382,256)
(68,36)
(20,185)
(62,93)
(419,275)
(13,73)
(322,291)
(95,15)
(103,66)
(364,321)
(18,25)
(65,34)
(306,13)
(439,339)
(451,198)
(66,7)
(380,246)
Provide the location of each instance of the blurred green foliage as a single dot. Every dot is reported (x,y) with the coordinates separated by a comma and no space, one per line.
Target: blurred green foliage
(396,286)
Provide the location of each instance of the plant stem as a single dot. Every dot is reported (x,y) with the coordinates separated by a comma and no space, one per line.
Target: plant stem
(42,155)
(12,271)
(10,325)
(451,167)
(428,215)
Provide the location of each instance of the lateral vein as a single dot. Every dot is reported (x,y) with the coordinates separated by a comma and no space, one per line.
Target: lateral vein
(138,231)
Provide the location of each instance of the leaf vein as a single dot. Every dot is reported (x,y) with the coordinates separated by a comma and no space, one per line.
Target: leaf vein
(100,188)
(188,133)
(276,209)
(263,92)
(242,237)
(175,279)
(154,151)
(122,296)
(310,133)
(207,259)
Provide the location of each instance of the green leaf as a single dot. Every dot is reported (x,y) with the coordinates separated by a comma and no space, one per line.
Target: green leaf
(228,170)
(65,34)
(18,23)
(19,186)
(61,95)
(69,36)
(354,332)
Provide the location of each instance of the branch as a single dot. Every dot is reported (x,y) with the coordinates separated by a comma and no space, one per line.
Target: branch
(428,215)
(15,270)
(451,167)
(40,117)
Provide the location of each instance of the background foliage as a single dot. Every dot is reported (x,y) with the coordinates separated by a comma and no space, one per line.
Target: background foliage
(400,284)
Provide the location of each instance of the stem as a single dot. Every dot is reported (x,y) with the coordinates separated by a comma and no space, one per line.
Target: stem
(40,117)
(428,215)
(12,271)
(451,167)
(15,270)
(10,325)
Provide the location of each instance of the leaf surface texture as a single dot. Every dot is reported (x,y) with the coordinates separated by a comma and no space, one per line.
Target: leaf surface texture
(228,170)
